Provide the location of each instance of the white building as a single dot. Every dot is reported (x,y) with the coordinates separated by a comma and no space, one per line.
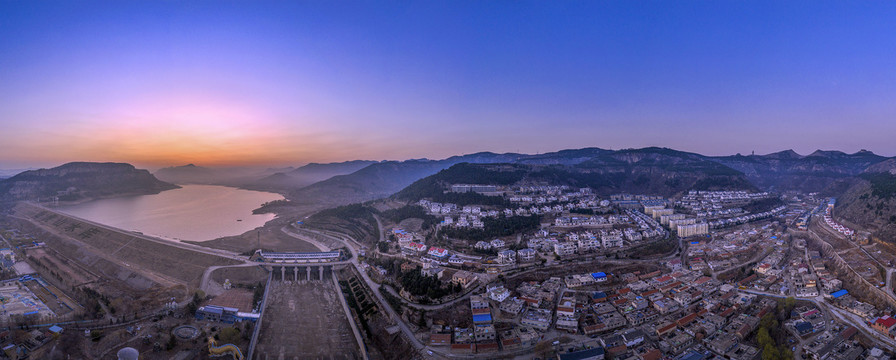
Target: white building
(526,254)
(565,248)
(507,256)
(693,230)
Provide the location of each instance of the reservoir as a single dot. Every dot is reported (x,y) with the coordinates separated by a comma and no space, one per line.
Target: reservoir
(193,212)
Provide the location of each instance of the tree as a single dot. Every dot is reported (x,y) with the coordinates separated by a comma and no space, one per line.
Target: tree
(172,342)
(422,322)
(789,304)
(763,338)
(229,335)
(96,335)
(770,352)
(768,321)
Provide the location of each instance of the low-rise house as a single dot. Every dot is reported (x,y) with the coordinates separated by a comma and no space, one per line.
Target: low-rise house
(438,252)
(665,305)
(498,293)
(463,278)
(539,319)
(513,306)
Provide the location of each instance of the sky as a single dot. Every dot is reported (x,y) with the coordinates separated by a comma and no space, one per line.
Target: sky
(230,83)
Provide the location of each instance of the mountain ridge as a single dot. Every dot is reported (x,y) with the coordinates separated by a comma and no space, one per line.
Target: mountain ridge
(81,180)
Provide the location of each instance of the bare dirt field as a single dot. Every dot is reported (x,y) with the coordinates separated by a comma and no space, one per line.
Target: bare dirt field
(305,320)
(234,298)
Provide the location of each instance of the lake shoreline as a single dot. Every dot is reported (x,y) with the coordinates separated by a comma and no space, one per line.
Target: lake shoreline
(195,213)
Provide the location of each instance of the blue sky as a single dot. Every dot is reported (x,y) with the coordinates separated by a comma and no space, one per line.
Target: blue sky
(269,83)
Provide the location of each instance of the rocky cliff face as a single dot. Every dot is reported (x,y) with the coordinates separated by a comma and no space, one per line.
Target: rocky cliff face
(81,180)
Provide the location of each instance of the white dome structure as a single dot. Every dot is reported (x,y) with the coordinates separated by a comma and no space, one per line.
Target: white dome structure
(128,353)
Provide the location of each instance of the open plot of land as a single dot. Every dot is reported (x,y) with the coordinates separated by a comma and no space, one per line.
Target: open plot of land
(305,320)
(234,298)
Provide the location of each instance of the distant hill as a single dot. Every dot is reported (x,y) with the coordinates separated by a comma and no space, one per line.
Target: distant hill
(247,177)
(314,172)
(383,179)
(296,178)
(648,170)
(372,182)
(80,180)
(645,171)
(187,174)
(8,173)
(787,170)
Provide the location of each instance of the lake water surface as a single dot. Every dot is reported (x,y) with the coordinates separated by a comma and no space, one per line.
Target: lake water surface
(193,212)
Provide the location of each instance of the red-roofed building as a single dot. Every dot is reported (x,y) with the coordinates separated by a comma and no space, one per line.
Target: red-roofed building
(487,347)
(462,348)
(413,249)
(665,329)
(438,252)
(848,332)
(885,324)
(728,312)
(687,320)
(652,354)
(439,339)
